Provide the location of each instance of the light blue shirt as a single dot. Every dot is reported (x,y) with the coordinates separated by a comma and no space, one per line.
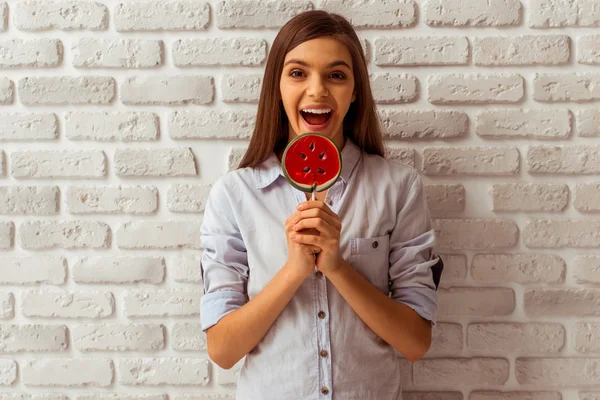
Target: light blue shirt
(318,348)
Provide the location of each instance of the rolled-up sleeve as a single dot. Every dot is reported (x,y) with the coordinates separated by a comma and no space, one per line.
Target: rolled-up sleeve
(224,261)
(415,270)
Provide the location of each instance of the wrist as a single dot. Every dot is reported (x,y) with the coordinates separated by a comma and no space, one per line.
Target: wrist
(339,270)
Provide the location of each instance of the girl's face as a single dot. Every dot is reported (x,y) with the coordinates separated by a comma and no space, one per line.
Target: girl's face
(317,87)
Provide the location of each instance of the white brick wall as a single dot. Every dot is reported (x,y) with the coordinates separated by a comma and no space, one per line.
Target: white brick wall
(116,116)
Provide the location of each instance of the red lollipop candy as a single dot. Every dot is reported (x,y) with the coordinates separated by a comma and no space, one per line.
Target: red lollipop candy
(311,162)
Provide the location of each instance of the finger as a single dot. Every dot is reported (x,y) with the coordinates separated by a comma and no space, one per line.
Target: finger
(306,205)
(319,224)
(318,213)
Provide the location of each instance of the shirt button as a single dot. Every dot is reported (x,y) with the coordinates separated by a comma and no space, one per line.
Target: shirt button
(323,353)
(329,202)
(318,274)
(324,390)
(375,244)
(321,314)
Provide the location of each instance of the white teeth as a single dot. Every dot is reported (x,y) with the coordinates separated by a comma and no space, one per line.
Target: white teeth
(318,111)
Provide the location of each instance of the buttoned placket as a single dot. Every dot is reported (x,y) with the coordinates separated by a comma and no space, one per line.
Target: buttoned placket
(321,308)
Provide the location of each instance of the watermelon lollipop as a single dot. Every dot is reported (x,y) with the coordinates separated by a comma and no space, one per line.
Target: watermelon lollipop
(311,162)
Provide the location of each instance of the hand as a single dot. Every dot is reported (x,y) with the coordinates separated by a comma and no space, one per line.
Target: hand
(301,257)
(317,215)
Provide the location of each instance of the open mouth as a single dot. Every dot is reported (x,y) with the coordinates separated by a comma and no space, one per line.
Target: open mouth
(316,117)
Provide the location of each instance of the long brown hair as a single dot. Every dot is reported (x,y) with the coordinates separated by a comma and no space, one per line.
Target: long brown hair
(361,123)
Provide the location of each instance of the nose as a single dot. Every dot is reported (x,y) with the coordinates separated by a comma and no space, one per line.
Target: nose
(316,87)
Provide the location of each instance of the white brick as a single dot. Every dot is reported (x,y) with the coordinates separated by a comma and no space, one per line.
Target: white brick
(241,88)
(2,167)
(461,13)
(149,371)
(586,269)
(432,395)
(234,157)
(486,161)
(203,397)
(446,340)
(162,303)
(447,372)
(258,13)
(119,270)
(589,395)
(577,159)
(58,164)
(586,197)
(28,126)
(586,338)
(455,269)
(588,122)
(8,372)
(117,53)
(423,124)
(427,50)
(587,49)
(66,90)
(59,303)
(247,52)
(118,396)
(6,91)
(518,268)
(562,302)
(112,199)
(38,235)
(3,16)
(475,233)
(521,395)
(211,124)
(7,305)
(29,200)
(37,15)
(476,302)
(566,87)
(188,337)
(161,15)
(401,155)
(7,234)
(518,124)
(445,197)
(74,372)
(516,337)
(118,337)
(25,270)
(555,234)
(23,396)
(475,88)
(186,268)
(521,50)
(167,90)
(30,53)
(33,338)
(394,88)
(555,14)
(187,198)
(155,162)
(542,197)
(557,372)
(111,126)
(374,13)
(159,234)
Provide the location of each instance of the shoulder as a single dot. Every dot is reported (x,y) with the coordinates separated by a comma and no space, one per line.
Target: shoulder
(232,186)
(389,172)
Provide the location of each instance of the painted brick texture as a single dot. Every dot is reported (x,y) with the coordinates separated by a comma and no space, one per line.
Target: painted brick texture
(117,116)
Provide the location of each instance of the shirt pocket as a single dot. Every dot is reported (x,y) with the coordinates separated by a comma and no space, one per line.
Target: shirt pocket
(370,256)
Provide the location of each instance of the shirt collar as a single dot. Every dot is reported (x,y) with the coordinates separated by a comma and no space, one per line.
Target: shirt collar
(267,172)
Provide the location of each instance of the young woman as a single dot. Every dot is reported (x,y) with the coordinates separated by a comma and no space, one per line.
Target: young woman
(334,325)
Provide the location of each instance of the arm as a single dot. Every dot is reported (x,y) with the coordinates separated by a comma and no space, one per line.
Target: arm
(238,332)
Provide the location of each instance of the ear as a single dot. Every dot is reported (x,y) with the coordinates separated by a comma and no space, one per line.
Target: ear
(353,97)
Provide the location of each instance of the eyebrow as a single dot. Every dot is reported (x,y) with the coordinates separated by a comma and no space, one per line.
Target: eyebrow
(330,65)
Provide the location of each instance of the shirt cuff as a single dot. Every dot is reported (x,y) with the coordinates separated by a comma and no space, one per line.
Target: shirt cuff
(422,300)
(216,305)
